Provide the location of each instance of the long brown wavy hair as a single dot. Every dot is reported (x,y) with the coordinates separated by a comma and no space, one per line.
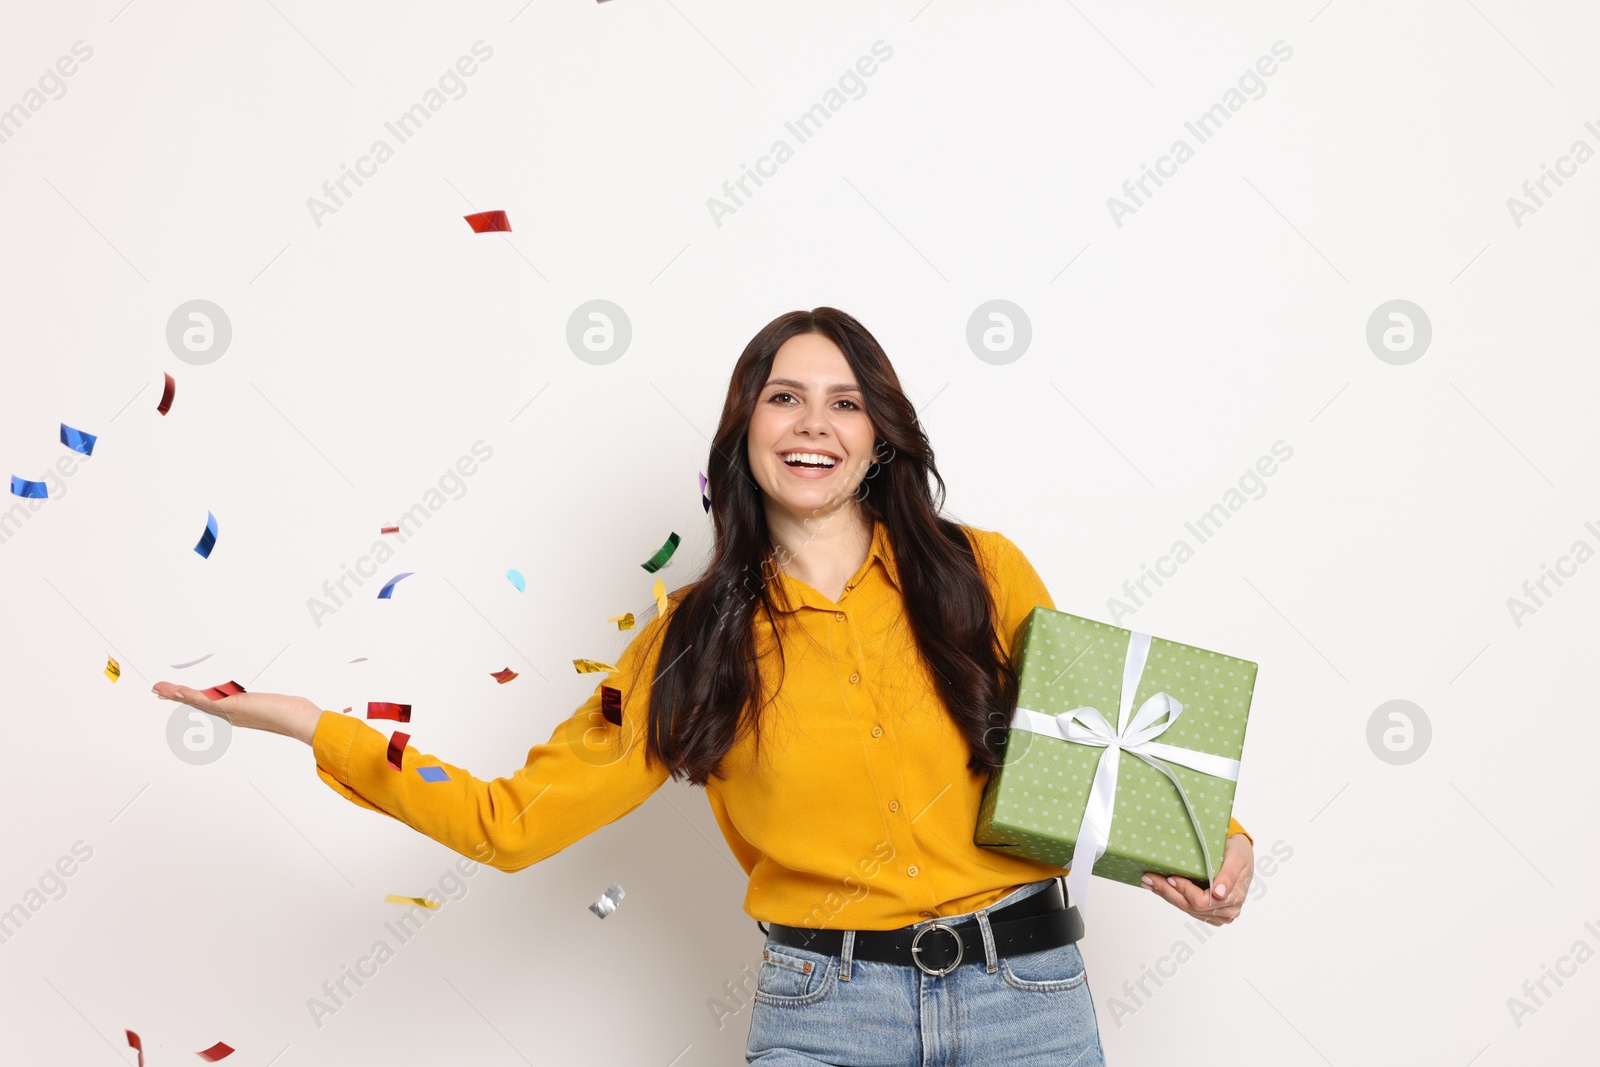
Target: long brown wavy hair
(709,678)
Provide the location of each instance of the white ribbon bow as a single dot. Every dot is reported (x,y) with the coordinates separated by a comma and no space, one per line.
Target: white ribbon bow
(1136,736)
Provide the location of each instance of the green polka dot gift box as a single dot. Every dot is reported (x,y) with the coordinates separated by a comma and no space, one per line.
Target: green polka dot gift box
(1123,752)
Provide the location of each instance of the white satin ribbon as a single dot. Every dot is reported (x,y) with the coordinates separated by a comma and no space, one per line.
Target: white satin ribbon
(1135,736)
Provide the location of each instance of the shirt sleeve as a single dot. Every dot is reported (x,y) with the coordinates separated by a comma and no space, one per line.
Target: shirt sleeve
(1018,590)
(588,774)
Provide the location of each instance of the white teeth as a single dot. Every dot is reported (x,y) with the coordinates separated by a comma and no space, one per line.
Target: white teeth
(808,457)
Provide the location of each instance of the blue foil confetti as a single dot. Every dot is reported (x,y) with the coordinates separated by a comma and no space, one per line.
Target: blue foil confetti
(77,440)
(518,580)
(208,540)
(433,774)
(384,593)
(32,490)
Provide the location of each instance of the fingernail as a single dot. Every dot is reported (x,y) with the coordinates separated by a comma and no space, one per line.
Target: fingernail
(1173,882)
(1220,890)
(1146,880)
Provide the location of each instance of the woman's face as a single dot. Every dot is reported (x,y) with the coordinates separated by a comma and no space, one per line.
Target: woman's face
(810,407)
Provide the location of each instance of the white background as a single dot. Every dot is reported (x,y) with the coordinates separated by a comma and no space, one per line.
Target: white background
(1168,354)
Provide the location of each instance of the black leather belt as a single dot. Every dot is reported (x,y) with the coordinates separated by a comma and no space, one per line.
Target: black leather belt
(1039,922)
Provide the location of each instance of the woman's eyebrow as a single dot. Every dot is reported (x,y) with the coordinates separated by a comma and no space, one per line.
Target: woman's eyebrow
(836,387)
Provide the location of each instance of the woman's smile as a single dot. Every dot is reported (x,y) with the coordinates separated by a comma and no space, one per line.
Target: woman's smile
(804,463)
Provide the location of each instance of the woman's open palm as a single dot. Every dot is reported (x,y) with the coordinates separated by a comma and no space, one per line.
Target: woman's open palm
(272,712)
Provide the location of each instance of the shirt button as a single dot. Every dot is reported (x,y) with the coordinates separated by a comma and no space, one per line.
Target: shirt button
(877,731)
(839,615)
(912,870)
(894,805)
(854,677)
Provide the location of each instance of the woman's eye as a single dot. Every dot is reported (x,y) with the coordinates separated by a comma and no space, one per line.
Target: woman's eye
(780,397)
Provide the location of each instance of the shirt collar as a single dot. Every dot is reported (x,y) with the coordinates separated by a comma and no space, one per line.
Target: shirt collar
(880,550)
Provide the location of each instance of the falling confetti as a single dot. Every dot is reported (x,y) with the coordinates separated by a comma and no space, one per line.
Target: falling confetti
(135,1044)
(608,901)
(77,440)
(433,774)
(591,666)
(418,902)
(611,704)
(388,530)
(664,553)
(191,663)
(489,222)
(705,501)
(208,539)
(659,591)
(226,689)
(397,749)
(358,659)
(167,392)
(29,490)
(624,622)
(393,712)
(518,580)
(215,1052)
(113,669)
(383,594)
(503,676)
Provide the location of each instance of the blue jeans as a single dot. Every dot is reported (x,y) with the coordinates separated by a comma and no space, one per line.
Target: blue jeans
(1022,1011)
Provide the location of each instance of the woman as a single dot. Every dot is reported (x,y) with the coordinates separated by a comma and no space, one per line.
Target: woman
(839,681)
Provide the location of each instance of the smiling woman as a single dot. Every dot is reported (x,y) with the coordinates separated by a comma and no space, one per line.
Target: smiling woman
(838,679)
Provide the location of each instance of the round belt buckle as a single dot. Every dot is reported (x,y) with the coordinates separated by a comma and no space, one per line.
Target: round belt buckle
(915,949)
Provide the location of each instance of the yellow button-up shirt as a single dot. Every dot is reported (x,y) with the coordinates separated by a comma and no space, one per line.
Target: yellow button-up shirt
(857,813)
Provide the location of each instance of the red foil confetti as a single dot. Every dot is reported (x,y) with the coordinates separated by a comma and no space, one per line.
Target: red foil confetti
(215,1052)
(393,712)
(397,749)
(389,530)
(611,704)
(503,676)
(135,1044)
(166,394)
(226,689)
(489,222)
